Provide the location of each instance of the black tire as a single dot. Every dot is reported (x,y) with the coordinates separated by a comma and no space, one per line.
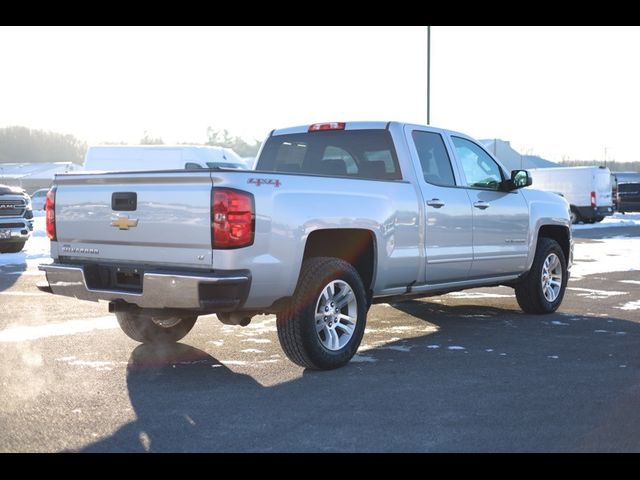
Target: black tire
(297,330)
(145,327)
(12,247)
(599,218)
(529,291)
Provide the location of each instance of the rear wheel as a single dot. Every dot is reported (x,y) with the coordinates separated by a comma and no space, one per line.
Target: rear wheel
(12,247)
(324,325)
(146,327)
(542,288)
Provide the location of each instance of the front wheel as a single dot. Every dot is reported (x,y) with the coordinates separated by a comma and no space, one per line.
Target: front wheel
(542,288)
(146,327)
(323,327)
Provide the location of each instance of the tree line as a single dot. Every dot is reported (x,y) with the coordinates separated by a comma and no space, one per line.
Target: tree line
(611,164)
(24,145)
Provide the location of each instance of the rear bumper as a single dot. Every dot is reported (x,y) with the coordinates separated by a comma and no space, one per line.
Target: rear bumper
(203,291)
(592,213)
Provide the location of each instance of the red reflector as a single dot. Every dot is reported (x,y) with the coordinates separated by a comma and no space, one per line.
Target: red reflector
(232,218)
(318,127)
(50,209)
(593,199)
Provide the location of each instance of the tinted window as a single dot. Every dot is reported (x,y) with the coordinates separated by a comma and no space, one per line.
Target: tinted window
(631,188)
(340,153)
(480,170)
(340,157)
(434,159)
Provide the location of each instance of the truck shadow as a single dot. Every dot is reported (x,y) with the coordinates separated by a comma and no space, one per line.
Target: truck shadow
(512,382)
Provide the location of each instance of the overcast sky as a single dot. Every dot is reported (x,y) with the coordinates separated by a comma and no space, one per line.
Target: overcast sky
(558,92)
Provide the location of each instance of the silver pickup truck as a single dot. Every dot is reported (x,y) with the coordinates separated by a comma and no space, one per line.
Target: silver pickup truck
(335,217)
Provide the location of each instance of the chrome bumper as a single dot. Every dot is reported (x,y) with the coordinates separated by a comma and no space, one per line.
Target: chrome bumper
(18,233)
(222,291)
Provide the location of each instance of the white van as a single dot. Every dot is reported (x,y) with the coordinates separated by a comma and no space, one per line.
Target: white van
(121,158)
(587,189)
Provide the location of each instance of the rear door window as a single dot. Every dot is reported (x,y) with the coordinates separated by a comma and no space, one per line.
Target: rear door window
(434,159)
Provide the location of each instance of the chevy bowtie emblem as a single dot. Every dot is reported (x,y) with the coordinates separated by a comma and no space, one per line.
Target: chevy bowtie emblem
(123,223)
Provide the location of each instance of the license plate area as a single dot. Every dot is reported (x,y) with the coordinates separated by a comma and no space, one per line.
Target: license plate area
(5,234)
(113,277)
(128,278)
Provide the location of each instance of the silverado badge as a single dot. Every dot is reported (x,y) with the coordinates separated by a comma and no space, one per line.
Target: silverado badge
(124,223)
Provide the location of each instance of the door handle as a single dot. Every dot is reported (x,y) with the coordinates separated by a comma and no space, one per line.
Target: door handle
(481,205)
(435,203)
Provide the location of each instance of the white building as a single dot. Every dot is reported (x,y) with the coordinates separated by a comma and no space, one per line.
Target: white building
(32,176)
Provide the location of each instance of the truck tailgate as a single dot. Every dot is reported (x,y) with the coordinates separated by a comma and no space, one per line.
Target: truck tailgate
(137,218)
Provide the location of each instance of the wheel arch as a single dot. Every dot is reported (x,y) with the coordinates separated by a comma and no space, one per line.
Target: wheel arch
(353,245)
(560,234)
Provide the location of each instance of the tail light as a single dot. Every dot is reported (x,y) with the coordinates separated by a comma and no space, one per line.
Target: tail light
(50,208)
(232,218)
(593,199)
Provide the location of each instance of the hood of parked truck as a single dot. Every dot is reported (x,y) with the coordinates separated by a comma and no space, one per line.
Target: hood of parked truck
(7,190)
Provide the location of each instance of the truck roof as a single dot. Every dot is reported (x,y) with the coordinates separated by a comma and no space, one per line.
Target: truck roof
(360,125)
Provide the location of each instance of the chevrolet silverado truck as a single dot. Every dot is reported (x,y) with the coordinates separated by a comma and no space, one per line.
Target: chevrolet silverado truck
(335,217)
(16,219)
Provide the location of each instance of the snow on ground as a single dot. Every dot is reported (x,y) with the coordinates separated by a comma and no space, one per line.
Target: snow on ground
(630,306)
(606,255)
(616,220)
(23,333)
(36,250)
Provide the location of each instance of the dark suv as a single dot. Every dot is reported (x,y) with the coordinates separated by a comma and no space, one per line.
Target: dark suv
(16,219)
(627,192)
(629,197)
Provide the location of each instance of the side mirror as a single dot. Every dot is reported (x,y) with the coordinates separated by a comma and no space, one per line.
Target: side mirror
(519,179)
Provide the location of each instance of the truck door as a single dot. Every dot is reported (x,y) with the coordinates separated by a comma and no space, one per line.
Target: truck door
(500,218)
(447,228)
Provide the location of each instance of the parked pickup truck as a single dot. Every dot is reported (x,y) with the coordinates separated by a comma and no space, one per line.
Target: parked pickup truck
(16,219)
(335,217)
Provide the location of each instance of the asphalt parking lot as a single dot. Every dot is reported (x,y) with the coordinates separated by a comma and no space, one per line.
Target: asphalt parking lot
(464,372)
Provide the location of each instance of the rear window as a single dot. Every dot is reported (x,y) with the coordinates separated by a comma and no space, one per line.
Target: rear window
(338,153)
(629,188)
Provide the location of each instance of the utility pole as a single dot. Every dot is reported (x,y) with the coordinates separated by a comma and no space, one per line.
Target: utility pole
(428,75)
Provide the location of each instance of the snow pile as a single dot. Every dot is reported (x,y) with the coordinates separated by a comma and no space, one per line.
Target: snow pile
(608,255)
(37,248)
(616,220)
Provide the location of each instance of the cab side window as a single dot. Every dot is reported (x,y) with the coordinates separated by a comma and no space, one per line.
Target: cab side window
(480,170)
(435,162)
